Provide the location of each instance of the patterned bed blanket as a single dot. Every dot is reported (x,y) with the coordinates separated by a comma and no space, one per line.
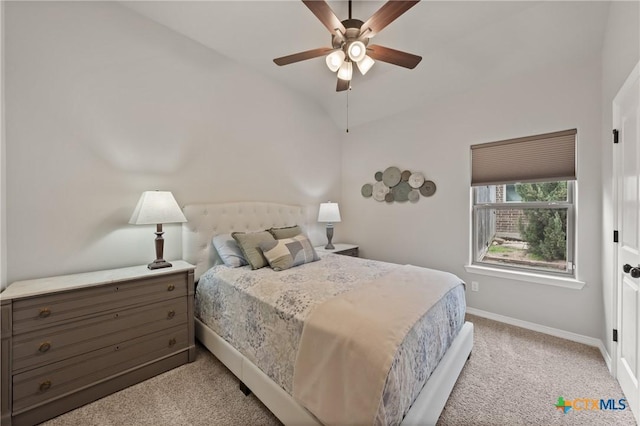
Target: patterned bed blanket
(262,312)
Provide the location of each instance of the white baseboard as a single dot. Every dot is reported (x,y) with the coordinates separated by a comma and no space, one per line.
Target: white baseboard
(563,334)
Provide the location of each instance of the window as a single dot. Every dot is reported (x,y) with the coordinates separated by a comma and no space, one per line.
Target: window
(511,193)
(523,204)
(533,233)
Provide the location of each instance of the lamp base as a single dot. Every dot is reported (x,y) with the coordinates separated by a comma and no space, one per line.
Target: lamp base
(329,246)
(159,263)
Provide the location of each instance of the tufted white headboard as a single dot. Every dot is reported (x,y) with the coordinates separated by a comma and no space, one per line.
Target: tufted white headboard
(206,220)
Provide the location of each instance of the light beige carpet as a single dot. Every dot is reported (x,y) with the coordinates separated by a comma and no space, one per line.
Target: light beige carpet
(514,377)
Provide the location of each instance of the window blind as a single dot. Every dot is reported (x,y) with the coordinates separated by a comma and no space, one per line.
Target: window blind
(547,157)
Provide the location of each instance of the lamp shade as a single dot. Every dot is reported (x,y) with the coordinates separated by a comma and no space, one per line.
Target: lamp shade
(334,60)
(329,212)
(356,51)
(345,72)
(365,64)
(156,207)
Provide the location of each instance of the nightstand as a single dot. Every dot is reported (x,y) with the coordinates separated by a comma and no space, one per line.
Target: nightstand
(345,249)
(69,340)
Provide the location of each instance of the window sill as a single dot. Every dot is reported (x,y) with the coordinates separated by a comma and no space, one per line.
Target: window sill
(565,282)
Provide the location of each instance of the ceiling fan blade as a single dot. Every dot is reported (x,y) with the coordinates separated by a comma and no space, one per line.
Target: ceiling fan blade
(342,85)
(302,56)
(388,13)
(392,56)
(324,13)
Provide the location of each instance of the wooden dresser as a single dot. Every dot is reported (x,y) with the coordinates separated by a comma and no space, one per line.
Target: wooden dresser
(69,340)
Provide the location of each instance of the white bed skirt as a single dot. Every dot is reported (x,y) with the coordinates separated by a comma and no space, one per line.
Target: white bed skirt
(424,411)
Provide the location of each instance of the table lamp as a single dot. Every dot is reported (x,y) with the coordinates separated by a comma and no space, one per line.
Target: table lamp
(329,213)
(156,208)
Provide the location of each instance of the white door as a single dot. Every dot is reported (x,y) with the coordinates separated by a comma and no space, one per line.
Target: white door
(626,119)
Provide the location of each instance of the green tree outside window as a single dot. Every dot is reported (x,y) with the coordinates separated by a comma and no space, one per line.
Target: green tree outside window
(544,229)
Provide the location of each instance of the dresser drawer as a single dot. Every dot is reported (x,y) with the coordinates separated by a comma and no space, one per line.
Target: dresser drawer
(44,311)
(50,381)
(353,252)
(55,343)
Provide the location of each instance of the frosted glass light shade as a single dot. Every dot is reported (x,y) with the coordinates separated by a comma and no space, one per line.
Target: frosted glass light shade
(334,60)
(365,64)
(156,207)
(329,212)
(356,51)
(346,71)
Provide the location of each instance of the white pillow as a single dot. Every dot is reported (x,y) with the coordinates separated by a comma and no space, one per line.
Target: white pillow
(229,251)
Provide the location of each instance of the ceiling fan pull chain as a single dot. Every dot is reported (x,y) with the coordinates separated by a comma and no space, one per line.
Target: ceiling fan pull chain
(348,90)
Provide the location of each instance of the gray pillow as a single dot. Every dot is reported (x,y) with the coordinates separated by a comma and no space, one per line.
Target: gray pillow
(288,252)
(286,232)
(249,243)
(229,251)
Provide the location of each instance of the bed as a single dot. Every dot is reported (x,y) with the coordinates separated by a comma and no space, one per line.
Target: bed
(266,354)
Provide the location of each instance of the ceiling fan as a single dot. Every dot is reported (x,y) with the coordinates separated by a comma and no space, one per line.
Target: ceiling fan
(350,41)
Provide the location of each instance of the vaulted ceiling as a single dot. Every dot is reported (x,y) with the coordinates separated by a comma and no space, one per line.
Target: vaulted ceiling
(464,44)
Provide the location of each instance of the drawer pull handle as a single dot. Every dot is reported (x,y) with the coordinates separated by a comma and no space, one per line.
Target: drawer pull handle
(172,342)
(171,314)
(171,287)
(44,312)
(45,346)
(46,385)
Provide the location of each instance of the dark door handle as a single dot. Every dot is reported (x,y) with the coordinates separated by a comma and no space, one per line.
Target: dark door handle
(635,272)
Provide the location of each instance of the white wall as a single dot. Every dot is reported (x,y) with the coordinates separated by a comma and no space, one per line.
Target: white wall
(102,104)
(620,53)
(434,232)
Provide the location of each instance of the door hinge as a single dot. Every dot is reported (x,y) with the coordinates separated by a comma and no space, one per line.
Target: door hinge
(615,135)
(615,335)
(615,236)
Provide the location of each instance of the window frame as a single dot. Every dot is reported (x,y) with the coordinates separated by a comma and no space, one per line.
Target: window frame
(569,205)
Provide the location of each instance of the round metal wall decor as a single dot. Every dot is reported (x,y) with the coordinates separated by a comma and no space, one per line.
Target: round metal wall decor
(379,191)
(416,180)
(394,185)
(428,188)
(391,177)
(367,190)
(401,192)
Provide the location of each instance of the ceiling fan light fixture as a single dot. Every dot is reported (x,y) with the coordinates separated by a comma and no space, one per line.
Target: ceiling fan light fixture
(346,71)
(356,51)
(335,59)
(350,41)
(365,64)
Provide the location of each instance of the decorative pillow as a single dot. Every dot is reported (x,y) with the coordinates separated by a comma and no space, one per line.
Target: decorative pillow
(229,251)
(287,232)
(288,252)
(249,245)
